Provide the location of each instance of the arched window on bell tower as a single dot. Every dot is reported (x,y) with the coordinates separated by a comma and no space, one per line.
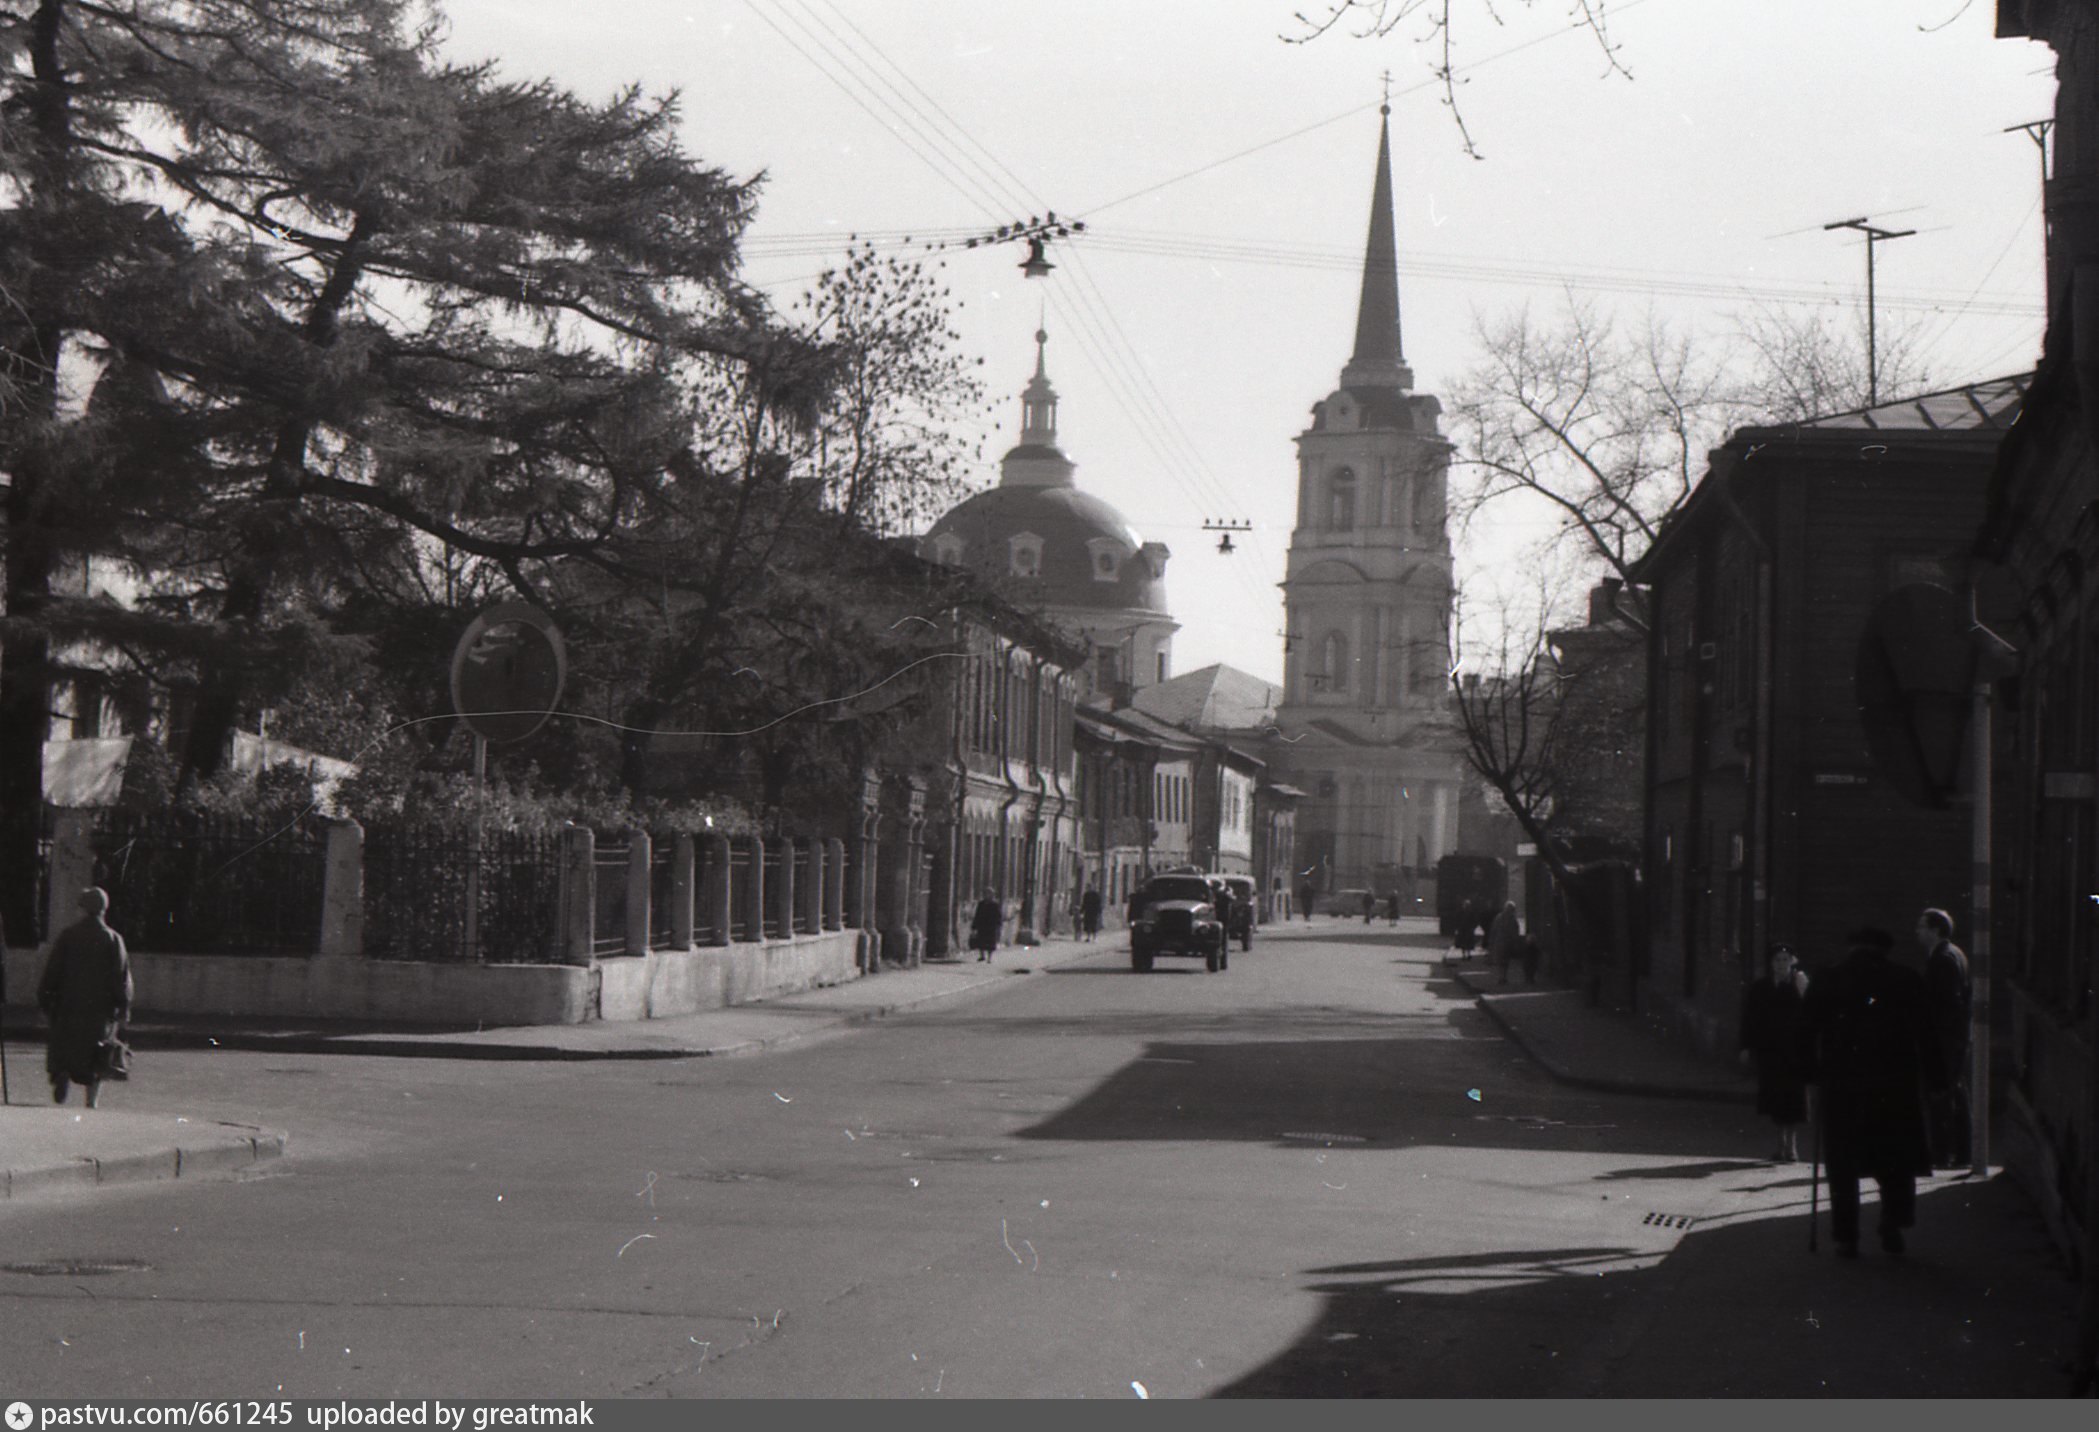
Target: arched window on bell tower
(1333,662)
(1341,500)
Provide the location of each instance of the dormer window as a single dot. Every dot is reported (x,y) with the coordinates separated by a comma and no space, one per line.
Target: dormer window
(1024,552)
(947,549)
(1107,557)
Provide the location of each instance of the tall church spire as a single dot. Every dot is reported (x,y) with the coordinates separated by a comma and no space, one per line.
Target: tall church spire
(1379,361)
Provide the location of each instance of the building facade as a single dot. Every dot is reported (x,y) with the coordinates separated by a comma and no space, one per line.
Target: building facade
(2041,541)
(1364,712)
(1767,815)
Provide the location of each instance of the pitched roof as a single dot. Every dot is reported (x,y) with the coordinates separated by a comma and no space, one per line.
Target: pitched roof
(1991,404)
(1216,698)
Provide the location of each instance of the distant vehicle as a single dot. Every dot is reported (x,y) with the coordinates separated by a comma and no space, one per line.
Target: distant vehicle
(1349,903)
(1481,881)
(1177,915)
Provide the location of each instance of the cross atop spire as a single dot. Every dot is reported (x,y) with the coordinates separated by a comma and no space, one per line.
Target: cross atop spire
(1379,361)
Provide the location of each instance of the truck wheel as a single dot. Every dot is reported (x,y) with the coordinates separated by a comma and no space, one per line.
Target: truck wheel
(1141,961)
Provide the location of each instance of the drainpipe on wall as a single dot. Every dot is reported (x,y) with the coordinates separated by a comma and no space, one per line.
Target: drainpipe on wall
(1760,784)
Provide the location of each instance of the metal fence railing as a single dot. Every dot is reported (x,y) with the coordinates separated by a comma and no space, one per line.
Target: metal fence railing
(663,853)
(742,918)
(198,884)
(769,918)
(415,895)
(705,917)
(608,934)
(805,907)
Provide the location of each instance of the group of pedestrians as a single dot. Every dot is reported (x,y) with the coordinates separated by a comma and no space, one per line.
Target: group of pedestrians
(1501,933)
(1881,1051)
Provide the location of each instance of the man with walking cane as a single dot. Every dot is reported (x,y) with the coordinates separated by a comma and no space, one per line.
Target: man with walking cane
(1873,1059)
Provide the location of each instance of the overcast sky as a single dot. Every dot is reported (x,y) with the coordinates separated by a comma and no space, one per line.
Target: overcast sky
(1225,178)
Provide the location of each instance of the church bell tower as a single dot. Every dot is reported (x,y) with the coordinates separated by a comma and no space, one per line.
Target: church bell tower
(1365,711)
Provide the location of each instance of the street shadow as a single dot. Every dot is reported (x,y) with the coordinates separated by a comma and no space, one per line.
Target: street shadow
(1388,1091)
(1980,1308)
(1697,1170)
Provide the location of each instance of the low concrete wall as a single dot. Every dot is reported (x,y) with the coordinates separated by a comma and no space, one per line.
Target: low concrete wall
(655,985)
(663,983)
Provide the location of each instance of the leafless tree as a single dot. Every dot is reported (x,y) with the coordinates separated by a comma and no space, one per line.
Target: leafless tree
(1439,21)
(1607,430)
(1810,363)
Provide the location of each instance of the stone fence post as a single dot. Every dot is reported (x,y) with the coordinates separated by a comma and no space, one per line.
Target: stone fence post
(717,892)
(640,852)
(342,892)
(754,889)
(783,896)
(834,884)
(579,876)
(680,913)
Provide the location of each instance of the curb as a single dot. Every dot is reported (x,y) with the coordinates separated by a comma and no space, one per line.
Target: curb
(437,1047)
(89,1172)
(1604,1082)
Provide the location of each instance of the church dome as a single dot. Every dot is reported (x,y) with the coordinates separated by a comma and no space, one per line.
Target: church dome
(1044,542)
(1053,547)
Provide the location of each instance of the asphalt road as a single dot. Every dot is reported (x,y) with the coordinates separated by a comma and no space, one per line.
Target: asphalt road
(1321,1172)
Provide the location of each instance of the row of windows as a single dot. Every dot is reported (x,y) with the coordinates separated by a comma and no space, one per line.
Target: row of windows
(1016,714)
(1170,795)
(1347,498)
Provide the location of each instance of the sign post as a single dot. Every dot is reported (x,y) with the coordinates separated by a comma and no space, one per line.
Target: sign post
(507,675)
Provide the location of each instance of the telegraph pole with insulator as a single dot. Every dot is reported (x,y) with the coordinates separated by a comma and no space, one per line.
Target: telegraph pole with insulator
(1873,236)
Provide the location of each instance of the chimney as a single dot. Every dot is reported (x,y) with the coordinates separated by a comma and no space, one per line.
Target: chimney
(1603,601)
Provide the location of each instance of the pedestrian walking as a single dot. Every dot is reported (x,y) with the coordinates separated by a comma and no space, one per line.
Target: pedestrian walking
(984,925)
(1466,937)
(1505,940)
(1874,1058)
(1774,1042)
(1392,907)
(1090,912)
(1947,992)
(1305,894)
(85,994)
(1369,907)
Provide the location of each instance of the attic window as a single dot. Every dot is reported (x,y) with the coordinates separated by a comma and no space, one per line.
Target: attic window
(1025,553)
(947,548)
(1107,559)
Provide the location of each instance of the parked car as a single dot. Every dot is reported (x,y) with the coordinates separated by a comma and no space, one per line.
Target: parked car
(1240,926)
(1176,915)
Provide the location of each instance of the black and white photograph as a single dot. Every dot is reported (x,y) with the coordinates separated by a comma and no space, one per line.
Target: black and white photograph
(945,699)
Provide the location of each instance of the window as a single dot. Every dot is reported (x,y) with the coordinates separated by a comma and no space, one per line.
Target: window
(1026,554)
(1107,559)
(947,548)
(1162,667)
(1333,659)
(1341,501)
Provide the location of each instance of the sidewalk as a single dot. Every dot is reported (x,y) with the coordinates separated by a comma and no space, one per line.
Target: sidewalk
(1599,1048)
(43,1147)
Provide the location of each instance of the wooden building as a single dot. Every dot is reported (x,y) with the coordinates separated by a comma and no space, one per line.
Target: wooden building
(1765,816)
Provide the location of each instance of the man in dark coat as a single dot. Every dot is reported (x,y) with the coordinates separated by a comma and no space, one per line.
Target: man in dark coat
(85,994)
(985,925)
(1946,994)
(1874,1058)
(1090,911)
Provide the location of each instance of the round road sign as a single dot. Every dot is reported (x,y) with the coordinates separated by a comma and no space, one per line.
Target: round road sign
(508,671)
